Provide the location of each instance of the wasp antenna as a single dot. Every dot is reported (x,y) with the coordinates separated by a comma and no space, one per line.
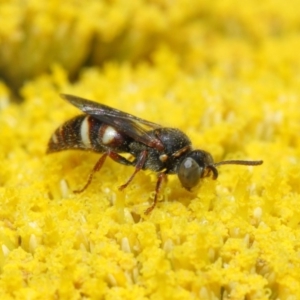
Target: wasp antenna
(239,162)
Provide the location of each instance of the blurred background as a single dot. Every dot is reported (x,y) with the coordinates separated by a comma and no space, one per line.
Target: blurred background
(234,37)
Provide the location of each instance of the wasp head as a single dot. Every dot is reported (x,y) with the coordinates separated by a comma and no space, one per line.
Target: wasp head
(196,165)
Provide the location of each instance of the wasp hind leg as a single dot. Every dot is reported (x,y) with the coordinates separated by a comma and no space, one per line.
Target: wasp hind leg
(114,156)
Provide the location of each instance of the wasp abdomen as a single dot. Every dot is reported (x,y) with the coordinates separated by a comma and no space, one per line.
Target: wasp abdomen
(112,138)
(87,133)
(74,134)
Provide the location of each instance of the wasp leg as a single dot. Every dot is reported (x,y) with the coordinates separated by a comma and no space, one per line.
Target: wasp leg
(138,166)
(96,168)
(113,155)
(213,170)
(161,178)
(120,159)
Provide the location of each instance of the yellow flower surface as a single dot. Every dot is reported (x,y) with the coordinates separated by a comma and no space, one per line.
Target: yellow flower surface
(226,73)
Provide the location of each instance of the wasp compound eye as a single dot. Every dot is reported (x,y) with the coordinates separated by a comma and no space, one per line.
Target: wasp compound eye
(189,173)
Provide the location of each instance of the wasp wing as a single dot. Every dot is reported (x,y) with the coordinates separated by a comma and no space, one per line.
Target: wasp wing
(129,124)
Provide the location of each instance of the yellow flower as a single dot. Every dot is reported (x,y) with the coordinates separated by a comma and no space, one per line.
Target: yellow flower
(226,74)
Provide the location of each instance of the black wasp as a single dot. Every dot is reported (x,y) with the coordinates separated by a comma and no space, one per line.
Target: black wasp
(110,131)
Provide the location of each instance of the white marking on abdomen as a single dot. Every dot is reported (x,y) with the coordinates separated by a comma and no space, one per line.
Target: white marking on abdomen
(54,138)
(109,135)
(85,132)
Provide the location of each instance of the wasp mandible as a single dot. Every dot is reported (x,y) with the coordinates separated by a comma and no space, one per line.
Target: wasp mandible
(107,130)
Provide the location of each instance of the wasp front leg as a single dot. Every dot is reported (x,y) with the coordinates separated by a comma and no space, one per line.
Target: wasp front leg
(161,178)
(139,164)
